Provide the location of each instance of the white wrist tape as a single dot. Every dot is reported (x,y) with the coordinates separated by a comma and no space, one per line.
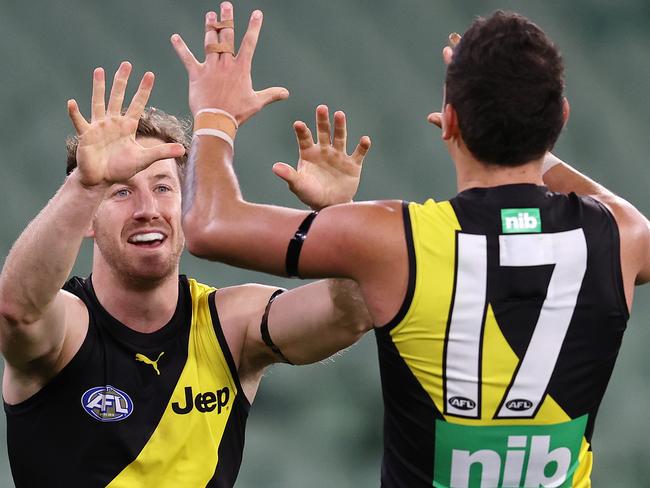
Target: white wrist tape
(216,123)
(549,162)
(216,133)
(218,111)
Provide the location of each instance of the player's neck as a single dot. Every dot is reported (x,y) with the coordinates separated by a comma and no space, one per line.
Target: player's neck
(471,173)
(143,309)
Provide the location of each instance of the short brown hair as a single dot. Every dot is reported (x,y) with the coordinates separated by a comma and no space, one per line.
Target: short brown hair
(506,83)
(153,123)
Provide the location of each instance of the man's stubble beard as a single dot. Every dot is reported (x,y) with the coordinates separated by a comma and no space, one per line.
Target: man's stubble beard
(135,275)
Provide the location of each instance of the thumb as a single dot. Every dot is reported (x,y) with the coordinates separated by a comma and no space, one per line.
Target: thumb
(80,124)
(273,94)
(287,173)
(435,118)
(162,151)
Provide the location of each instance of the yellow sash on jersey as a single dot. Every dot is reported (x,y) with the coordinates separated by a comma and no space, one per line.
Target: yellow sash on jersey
(183,450)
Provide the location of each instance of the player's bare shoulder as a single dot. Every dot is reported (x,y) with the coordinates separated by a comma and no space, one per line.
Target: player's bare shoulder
(33,355)
(359,230)
(240,308)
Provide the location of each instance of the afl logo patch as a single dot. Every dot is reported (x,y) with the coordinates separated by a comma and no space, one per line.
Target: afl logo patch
(462,403)
(107,404)
(519,405)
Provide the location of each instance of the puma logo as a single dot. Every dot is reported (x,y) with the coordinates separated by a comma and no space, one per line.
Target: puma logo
(146,360)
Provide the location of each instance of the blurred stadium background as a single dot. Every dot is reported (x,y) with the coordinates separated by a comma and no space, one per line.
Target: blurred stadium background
(321,425)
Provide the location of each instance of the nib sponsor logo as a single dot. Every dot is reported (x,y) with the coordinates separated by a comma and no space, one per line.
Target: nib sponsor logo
(509,465)
(507,456)
(520,220)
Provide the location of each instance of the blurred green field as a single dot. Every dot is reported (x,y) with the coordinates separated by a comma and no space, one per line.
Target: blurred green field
(320,426)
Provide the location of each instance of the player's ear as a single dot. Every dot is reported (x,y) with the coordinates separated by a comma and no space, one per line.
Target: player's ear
(566,110)
(450,128)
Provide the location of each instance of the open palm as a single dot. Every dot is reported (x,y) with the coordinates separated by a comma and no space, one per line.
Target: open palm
(223,81)
(108,151)
(325,174)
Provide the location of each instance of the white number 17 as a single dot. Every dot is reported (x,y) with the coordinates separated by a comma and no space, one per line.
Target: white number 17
(568,252)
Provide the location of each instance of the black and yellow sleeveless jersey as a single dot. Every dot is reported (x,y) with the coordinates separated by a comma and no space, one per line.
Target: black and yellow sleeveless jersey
(494,367)
(164,409)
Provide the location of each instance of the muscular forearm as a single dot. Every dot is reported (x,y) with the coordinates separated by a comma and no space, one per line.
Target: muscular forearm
(563,178)
(42,257)
(633,226)
(219,224)
(314,321)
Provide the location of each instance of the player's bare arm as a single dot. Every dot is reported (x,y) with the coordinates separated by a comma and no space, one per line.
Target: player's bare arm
(223,80)
(218,222)
(309,323)
(304,325)
(634,227)
(41,327)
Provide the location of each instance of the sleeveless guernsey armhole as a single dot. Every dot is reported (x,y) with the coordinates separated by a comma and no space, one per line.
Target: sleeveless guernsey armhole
(51,386)
(216,324)
(617,271)
(410,289)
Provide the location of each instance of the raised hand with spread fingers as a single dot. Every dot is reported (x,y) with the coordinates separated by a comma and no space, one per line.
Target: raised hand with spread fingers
(325,174)
(108,151)
(223,80)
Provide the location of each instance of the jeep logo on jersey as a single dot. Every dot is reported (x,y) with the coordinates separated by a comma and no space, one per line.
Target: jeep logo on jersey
(462,403)
(517,220)
(519,405)
(107,404)
(204,402)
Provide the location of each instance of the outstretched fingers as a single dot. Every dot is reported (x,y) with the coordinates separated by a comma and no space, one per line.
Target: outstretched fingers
(249,42)
(361,150)
(184,53)
(272,94)
(139,101)
(220,34)
(448,51)
(323,125)
(454,39)
(97,103)
(340,131)
(447,54)
(287,173)
(435,118)
(211,37)
(78,121)
(227,34)
(120,80)
(303,135)
(161,151)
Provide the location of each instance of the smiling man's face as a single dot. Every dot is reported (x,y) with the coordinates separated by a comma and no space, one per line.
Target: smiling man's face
(137,228)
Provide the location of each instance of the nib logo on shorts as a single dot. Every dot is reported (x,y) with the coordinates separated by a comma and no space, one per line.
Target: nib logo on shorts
(518,220)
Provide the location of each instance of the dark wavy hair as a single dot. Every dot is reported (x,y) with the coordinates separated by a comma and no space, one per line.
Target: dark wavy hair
(506,83)
(153,123)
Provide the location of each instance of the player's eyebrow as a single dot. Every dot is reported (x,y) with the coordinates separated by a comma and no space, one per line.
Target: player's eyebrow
(162,176)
